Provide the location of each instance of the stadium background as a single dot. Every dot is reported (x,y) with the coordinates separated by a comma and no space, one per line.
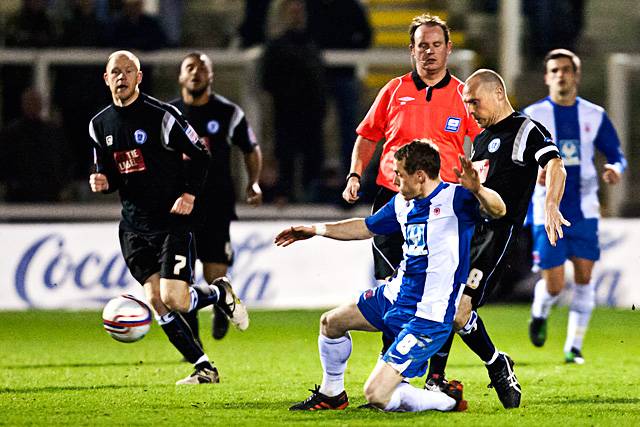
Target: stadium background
(606,40)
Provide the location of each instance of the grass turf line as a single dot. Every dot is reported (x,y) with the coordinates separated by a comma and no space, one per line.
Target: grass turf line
(62,368)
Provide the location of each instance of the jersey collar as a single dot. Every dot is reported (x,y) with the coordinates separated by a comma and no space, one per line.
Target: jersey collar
(420,84)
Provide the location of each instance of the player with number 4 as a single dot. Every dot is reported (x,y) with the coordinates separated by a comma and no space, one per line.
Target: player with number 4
(139,144)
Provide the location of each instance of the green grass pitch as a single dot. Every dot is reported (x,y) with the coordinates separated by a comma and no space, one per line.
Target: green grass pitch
(62,368)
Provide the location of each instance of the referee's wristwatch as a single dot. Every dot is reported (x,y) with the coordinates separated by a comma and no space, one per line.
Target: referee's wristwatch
(354,175)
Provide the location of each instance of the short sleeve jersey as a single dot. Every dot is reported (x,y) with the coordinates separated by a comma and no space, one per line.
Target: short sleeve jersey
(507,156)
(407,109)
(578,131)
(437,231)
(220,124)
(140,149)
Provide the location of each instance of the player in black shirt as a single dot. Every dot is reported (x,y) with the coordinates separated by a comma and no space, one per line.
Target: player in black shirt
(139,144)
(220,124)
(507,155)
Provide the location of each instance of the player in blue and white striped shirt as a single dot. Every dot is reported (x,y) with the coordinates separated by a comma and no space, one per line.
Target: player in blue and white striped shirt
(579,127)
(418,304)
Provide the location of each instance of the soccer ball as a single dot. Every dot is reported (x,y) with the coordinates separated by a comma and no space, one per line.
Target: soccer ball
(126,319)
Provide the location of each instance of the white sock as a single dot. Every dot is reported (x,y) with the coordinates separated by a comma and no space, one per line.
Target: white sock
(406,398)
(203,358)
(542,300)
(334,354)
(582,304)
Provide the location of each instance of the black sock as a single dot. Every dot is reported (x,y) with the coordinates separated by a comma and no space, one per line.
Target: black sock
(479,341)
(191,318)
(180,335)
(207,295)
(438,361)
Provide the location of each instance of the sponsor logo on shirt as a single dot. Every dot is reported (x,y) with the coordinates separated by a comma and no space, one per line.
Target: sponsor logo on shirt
(482,166)
(570,151)
(453,124)
(129,161)
(416,242)
(140,136)
(109,140)
(213,126)
(436,211)
(494,145)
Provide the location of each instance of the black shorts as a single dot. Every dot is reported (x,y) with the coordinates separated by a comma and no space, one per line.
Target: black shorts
(491,248)
(172,254)
(387,250)
(213,242)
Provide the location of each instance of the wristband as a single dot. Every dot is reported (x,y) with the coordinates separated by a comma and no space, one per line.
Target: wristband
(320,229)
(354,175)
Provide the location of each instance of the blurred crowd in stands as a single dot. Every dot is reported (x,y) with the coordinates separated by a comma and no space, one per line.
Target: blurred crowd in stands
(48,158)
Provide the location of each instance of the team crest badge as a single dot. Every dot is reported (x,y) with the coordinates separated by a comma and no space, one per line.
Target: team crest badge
(140,136)
(109,140)
(213,126)
(494,145)
(453,124)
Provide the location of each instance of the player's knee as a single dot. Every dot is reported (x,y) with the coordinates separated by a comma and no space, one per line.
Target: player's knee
(374,396)
(554,291)
(156,303)
(329,325)
(172,301)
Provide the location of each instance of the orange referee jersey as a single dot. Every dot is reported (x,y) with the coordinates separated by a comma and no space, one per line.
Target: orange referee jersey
(407,109)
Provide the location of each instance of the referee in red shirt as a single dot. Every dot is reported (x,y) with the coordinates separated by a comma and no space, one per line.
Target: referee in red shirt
(425,103)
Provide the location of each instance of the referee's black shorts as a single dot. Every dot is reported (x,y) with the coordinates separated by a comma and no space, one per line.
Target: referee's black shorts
(387,250)
(491,248)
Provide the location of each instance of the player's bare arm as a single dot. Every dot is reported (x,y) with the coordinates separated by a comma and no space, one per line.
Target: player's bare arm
(490,201)
(611,174)
(363,150)
(349,229)
(555,177)
(253,164)
(98,182)
(183,204)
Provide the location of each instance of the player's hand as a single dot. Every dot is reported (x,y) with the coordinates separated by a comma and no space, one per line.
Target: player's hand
(293,234)
(611,175)
(98,182)
(553,222)
(254,194)
(350,193)
(183,204)
(468,177)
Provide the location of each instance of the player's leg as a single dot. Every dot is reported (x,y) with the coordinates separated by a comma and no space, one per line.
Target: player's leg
(220,321)
(408,357)
(213,242)
(491,248)
(584,251)
(334,346)
(582,304)
(548,288)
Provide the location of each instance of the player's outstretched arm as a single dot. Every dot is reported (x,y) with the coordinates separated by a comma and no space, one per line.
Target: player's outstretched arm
(555,177)
(350,229)
(490,201)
